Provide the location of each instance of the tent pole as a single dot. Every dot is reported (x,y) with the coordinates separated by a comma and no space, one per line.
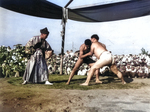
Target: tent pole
(63,38)
(68,4)
(62,47)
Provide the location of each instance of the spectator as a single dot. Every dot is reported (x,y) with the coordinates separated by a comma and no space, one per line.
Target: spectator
(68,70)
(133,72)
(82,71)
(71,53)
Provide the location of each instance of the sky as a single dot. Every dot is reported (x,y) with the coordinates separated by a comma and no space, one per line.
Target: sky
(127,36)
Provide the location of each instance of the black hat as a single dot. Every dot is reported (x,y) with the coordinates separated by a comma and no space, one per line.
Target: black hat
(44,31)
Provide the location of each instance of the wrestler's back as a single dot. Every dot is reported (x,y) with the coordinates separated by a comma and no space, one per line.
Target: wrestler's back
(98,49)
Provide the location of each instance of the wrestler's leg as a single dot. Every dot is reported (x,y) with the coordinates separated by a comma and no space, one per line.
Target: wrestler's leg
(117,72)
(97,74)
(77,65)
(100,63)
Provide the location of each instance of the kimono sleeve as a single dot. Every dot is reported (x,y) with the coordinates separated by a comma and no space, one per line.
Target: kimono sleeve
(48,47)
(49,51)
(33,41)
(29,47)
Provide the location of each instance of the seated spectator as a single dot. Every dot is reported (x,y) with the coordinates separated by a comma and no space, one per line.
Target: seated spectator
(55,68)
(67,53)
(123,70)
(128,70)
(124,59)
(104,69)
(68,70)
(146,71)
(133,72)
(82,71)
(140,72)
(148,63)
(71,53)
(94,58)
(50,70)
(85,70)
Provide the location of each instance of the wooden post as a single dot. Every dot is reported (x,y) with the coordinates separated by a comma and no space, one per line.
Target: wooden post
(62,48)
(63,36)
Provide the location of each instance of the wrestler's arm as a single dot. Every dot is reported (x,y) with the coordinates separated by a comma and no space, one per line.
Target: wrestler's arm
(87,54)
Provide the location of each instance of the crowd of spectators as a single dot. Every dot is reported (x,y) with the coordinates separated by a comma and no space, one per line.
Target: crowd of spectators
(69,61)
(134,66)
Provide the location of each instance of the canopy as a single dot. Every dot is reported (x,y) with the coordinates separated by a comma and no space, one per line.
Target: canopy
(111,12)
(99,13)
(39,8)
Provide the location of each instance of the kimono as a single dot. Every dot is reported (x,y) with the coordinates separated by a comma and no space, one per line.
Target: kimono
(36,69)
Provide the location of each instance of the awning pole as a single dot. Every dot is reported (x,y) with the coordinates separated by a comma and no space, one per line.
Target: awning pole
(68,4)
(63,36)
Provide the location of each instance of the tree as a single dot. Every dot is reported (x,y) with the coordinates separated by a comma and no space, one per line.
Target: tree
(144,51)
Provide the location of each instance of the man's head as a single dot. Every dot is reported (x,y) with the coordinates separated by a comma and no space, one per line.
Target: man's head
(87,42)
(94,38)
(44,33)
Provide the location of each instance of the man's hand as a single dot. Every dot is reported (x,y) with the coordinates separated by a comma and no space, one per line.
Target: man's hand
(48,54)
(85,55)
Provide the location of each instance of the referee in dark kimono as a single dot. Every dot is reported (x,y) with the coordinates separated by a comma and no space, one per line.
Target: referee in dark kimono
(36,70)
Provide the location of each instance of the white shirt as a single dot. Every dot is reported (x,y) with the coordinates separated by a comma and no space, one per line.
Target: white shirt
(68,70)
(71,54)
(128,69)
(82,72)
(102,70)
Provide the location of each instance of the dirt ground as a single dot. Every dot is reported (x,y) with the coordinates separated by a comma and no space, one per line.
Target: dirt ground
(59,100)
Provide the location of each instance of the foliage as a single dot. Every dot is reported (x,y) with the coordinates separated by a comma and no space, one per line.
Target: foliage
(13,60)
(144,51)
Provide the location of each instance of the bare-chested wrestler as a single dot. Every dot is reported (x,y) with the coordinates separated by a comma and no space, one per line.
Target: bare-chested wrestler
(104,59)
(84,48)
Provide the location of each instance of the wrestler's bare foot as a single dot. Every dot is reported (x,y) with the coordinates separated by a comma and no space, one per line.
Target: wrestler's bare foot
(84,84)
(98,81)
(124,82)
(67,83)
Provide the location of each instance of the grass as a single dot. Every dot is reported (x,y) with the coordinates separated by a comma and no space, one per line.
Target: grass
(59,81)
(34,97)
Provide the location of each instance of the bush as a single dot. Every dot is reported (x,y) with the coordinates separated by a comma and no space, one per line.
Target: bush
(13,61)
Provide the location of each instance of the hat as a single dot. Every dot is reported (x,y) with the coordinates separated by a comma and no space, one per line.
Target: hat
(44,31)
